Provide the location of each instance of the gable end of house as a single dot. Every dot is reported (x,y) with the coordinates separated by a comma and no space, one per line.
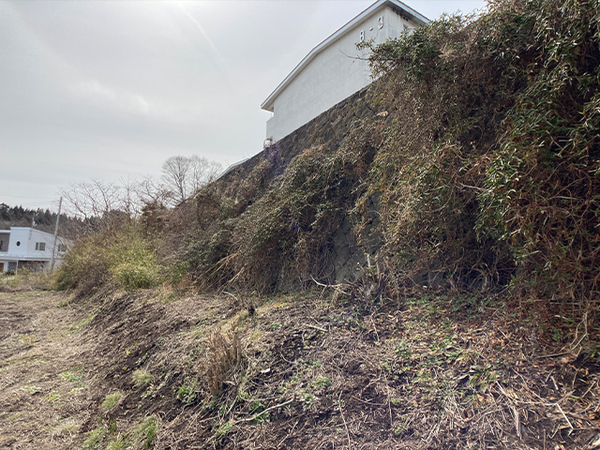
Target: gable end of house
(335,69)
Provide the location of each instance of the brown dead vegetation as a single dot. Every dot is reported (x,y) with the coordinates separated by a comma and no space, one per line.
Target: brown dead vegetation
(431,371)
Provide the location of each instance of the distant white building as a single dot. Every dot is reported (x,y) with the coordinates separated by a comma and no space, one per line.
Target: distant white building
(24,247)
(335,69)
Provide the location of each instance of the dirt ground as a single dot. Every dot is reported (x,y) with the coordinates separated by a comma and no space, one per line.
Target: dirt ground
(42,387)
(165,371)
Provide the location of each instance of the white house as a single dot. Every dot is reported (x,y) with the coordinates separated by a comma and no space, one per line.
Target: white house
(30,248)
(335,69)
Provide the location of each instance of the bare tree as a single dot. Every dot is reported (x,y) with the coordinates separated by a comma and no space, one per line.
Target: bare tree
(87,200)
(175,175)
(130,199)
(99,204)
(102,204)
(152,191)
(183,176)
(203,172)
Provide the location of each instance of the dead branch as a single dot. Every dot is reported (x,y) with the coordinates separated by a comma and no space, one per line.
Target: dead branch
(336,287)
(256,416)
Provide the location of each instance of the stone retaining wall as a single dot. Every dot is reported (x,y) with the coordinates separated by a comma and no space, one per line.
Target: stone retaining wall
(328,130)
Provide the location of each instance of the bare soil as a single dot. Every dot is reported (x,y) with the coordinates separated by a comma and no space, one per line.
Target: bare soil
(430,371)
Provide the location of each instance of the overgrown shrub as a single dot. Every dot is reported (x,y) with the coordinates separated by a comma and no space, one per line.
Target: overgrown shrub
(481,170)
(121,257)
(133,261)
(543,181)
(489,170)
(439,88)
(206,250)
(86,265)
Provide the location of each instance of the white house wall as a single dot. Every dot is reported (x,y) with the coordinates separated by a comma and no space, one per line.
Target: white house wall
(22,247)
(19,241)
(37,237)
(334,74)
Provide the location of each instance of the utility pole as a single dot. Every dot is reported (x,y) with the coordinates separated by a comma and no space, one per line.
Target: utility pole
(55,236)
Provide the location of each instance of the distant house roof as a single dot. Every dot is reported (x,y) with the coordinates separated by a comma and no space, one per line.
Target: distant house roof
(30,229)
(408,12)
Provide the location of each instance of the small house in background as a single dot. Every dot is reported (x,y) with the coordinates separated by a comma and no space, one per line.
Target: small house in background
(25,247)
(335,69)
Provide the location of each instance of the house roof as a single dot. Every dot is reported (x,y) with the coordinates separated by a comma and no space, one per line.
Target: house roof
(268,104)
(31,229)
(59,238)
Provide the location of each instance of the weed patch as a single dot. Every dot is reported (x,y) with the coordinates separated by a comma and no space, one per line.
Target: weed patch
(224,356)
(141,378)
(111,401)
(123,257)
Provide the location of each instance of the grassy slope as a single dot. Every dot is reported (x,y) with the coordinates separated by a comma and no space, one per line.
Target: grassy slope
(431,371)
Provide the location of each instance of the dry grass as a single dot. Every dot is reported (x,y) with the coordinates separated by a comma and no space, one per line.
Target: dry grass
(43,386)
(224,353)
(443,372)
(25,280)
(433,371)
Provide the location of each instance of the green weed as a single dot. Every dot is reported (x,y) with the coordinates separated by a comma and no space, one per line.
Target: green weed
(119,443)
(396,401)
(186,394)
(94,437)
(223,429)
(27,339)
(73,375)
(145,432)
(111,400)
(321,382)
(83,323)
(141,378)
(31,389)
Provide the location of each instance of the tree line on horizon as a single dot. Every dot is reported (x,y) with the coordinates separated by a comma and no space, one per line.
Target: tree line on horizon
(40,219)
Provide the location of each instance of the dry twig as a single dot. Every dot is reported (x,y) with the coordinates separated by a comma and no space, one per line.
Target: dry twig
(336,287)
(344,420)
(256,416)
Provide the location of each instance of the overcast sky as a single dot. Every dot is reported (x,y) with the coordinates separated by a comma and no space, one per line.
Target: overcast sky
(110,89)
